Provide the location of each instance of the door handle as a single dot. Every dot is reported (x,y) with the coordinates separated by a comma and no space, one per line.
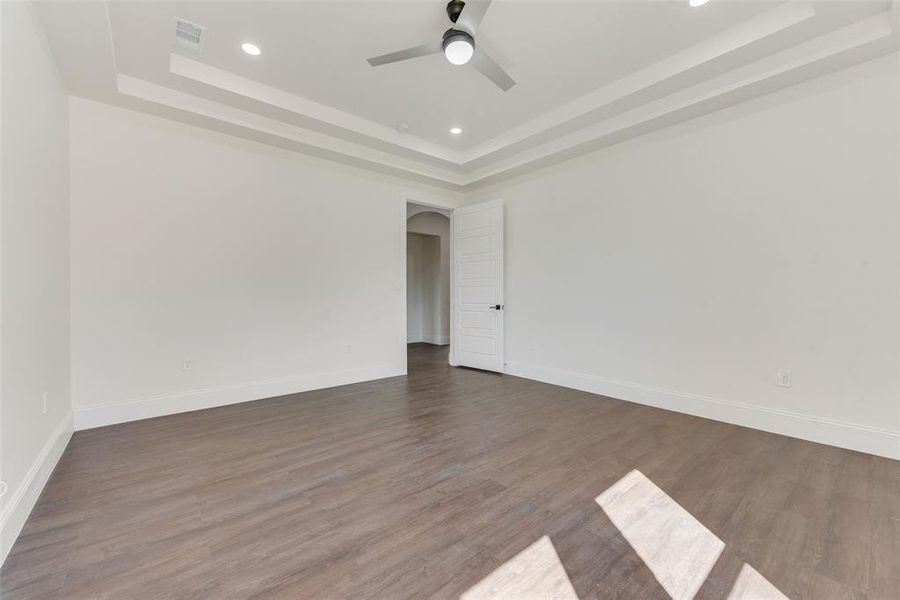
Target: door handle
(496,307)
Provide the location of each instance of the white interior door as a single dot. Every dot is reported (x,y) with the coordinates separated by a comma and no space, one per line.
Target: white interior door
(478,286)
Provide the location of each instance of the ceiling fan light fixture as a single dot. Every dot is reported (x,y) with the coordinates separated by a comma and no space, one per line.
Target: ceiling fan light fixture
(459,46)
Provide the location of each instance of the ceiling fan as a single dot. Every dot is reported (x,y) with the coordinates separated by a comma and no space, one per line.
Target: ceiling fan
(457,44)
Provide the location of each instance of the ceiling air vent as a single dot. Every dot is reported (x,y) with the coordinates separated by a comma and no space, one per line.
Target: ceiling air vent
(188,35)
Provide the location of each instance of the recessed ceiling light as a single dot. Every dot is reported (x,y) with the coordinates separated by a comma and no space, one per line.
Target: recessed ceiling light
(697,2)
(455,130)
(253,49)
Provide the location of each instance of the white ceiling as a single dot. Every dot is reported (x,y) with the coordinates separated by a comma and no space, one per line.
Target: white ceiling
(585,71)
(556,52)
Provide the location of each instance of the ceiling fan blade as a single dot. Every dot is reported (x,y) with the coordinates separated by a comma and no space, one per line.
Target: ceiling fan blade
(490,69)
(472,14)
(414,52)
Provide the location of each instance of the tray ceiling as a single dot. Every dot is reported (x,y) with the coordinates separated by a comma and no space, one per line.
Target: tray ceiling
(588,73)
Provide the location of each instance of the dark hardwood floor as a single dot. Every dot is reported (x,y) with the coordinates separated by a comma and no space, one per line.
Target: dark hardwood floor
(422,486)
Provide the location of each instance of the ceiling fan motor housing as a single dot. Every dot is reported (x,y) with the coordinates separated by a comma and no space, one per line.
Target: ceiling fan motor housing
(454,9)
(452,35)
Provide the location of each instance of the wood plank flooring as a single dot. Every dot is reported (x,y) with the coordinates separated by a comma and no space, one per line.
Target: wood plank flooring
(424,486)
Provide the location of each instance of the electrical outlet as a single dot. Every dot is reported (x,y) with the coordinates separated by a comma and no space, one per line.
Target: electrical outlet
(785,378)
(44,406)
(187,365)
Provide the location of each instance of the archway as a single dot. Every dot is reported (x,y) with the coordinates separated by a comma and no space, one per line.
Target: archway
(428,275)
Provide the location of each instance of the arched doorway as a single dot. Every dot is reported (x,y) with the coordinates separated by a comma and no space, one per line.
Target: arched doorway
(427,276)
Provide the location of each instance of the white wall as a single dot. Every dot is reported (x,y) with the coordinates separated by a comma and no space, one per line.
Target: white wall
(34,241)
(423,289)
(682,269)
(685,268)
(270,272)
(436,312)
(414,288)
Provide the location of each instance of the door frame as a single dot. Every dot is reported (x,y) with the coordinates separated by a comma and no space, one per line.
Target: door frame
(448,208)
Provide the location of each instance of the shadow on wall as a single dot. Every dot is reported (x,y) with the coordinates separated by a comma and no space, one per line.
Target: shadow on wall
(427,277)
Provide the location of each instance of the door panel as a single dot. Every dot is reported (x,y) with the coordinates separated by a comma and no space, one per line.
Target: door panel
(480,270)
(477,320)
(478,266)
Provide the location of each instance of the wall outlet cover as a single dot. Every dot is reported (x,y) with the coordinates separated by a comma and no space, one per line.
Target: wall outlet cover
(785,378)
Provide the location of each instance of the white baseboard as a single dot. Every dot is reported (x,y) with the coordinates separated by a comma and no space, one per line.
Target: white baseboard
(87,417)
(437,340)
(23,499)
(872,440)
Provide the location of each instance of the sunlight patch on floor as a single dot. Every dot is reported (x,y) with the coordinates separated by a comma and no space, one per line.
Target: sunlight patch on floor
(750,585)
(536,572)
(674,545)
